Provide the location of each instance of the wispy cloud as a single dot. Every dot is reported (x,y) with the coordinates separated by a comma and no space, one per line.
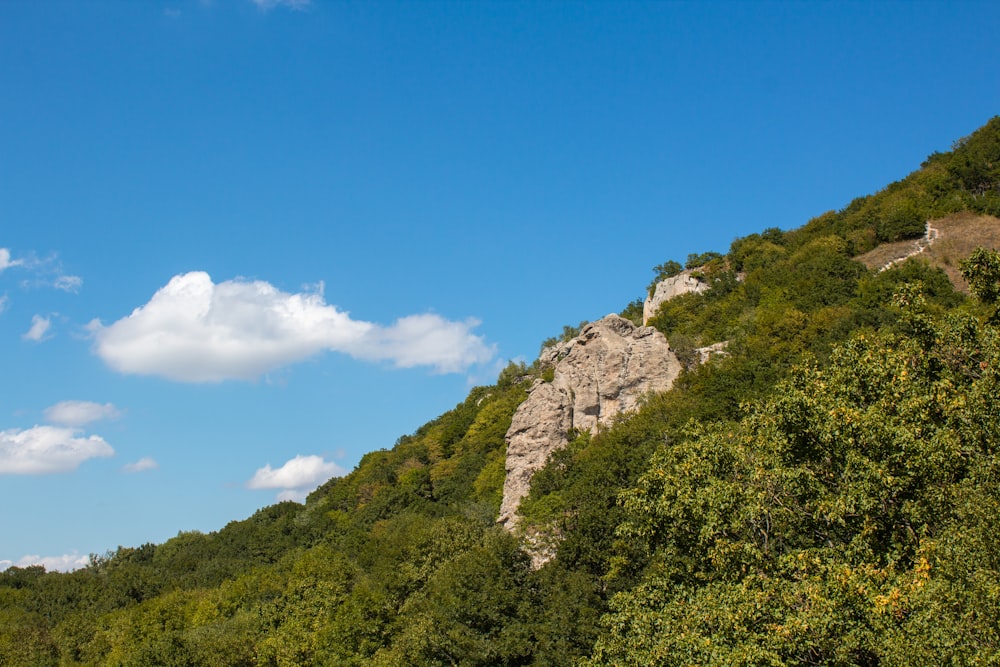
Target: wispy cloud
(79,413)
(142,465)
(44,450)
(42,271)
(65,563)
(267,5)
(3,302)
(488,374)
(39,327)
(193,330)
(297,478)
(5,261)
(68,283)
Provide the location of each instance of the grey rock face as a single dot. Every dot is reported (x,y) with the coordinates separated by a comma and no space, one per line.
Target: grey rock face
(667,289)
(601,373)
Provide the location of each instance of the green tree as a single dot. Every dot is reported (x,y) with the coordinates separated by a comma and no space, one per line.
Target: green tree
(982,271)
(663,271)
(822,528)
(470,613)
(24,638)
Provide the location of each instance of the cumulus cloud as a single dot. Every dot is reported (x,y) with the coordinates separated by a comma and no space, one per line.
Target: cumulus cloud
(39,327)
(193,330)
(297,478)
(48,449)
(79,413)
(65,563)
(142,465)
(424,340)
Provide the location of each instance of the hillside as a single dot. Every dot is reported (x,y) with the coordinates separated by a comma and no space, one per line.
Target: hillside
(954,238)
(825,492)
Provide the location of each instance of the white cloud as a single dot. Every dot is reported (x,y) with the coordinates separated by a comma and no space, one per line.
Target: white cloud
(47,449)
(42,271)
(267,5)
(295,495)
(490,374)
(3,303)
(39,327)
(68,283)
(78,413)
(193,330)
(5,261)
(424,340)
(65,563)
(143,464)
(297,478)
(298,472)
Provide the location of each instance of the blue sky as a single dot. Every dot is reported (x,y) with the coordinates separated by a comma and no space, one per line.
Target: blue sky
(243,243)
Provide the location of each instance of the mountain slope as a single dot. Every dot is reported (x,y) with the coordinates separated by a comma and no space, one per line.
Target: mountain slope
(820,494)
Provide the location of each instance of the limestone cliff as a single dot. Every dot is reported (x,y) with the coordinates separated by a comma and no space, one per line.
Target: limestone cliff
(669,288)
(601,373)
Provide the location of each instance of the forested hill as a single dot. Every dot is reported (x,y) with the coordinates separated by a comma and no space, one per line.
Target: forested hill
(826,492)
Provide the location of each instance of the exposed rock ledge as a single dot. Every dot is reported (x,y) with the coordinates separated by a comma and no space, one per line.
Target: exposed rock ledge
(669,288)
(601,373)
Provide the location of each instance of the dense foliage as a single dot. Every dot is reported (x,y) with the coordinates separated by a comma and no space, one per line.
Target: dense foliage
(826,491)
(847,519)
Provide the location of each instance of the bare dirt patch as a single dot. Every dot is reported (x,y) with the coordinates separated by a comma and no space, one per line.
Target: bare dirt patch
(957,236)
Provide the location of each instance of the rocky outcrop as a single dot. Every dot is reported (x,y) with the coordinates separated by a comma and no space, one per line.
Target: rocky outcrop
(706,353)
(683,283)
(603,372)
